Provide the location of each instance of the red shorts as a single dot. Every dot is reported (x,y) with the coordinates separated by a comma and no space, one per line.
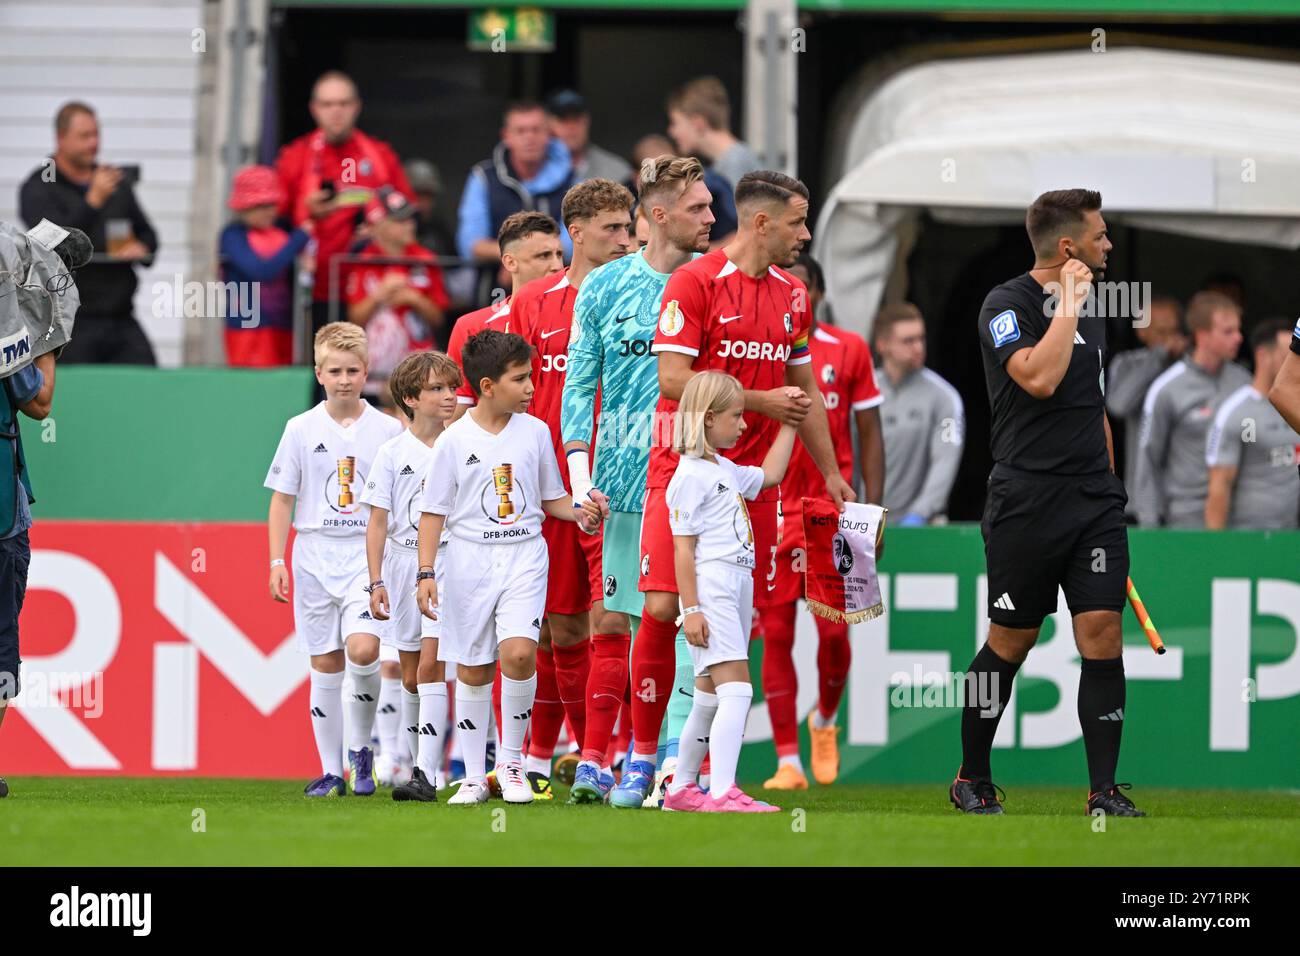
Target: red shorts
(791,559)
(591,545)
(657,569)
(568,590)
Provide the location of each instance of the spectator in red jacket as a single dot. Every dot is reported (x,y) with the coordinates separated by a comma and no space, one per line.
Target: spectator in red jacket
(401,306)
(331,174)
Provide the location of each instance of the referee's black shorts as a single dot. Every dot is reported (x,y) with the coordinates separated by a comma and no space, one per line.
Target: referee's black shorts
(1044,531)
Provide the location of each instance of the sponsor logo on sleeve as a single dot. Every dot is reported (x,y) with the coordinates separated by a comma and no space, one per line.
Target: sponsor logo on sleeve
(1004,328)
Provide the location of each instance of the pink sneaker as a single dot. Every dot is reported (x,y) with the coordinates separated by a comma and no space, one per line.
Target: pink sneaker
(689,799)
(736,800)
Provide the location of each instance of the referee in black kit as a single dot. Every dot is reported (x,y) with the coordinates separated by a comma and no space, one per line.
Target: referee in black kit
(1054,514)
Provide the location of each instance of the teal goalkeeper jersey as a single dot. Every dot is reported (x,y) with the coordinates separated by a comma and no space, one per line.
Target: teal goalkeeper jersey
(614,320)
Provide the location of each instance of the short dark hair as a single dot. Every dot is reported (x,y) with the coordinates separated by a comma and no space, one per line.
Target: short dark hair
(517,225)
(412,374)
(339,75)
(63,118)
(519,106)
(489,353)
(1058,213)
(767,185)
(816,278)
(1264,335)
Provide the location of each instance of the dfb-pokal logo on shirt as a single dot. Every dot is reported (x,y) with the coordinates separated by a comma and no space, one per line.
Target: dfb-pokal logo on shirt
(498,496)
(339,485)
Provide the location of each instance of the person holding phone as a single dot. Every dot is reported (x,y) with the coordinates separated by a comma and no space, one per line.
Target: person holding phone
(330,175)
(72,189)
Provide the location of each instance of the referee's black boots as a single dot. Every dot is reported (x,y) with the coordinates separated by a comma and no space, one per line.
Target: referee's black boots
(976,796)
(1113,803)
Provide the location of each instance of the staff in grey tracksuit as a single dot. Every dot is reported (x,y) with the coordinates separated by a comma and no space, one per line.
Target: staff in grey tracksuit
(922,419)
(1178,409)
(1251,451)
(1131,374)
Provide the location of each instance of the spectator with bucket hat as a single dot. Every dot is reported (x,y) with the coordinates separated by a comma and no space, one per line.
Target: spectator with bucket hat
(256,267)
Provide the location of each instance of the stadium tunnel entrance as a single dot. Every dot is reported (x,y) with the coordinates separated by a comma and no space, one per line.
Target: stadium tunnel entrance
(1199,177)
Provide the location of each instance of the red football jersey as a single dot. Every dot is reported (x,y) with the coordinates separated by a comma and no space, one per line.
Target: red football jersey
(357,167)
(730,322)
(842,365)
(543,313)
(471,323)
(395,332)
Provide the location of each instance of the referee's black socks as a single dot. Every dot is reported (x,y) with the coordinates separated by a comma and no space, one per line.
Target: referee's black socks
(991,678)
(1101,715)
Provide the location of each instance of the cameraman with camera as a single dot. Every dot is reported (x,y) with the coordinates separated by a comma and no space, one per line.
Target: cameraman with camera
(30,390)
(78,192)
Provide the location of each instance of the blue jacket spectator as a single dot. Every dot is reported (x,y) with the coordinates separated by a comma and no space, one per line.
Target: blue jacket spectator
(528,169)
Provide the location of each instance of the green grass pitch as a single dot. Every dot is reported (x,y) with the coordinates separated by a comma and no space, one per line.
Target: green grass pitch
(113,821)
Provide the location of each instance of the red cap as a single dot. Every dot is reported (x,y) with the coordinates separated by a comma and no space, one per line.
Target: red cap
(255,186)
(388,203)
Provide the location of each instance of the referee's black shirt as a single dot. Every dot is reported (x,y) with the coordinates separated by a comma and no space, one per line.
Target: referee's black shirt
(1062,434)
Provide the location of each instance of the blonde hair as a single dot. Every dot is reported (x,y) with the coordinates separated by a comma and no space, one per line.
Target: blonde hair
(663,176)
(340,337)
(705,392)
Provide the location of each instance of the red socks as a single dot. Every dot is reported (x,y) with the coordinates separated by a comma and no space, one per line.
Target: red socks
(654,668)
(606,682)
(548,712)
(833,656)
(623,738)
(572,671)
(780,685)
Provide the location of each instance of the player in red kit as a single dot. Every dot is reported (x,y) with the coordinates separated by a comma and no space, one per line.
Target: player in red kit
(733,310)
(530,249)
(842,367)
(597,214)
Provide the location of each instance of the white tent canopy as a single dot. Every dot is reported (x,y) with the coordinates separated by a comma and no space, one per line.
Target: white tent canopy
(1188,143)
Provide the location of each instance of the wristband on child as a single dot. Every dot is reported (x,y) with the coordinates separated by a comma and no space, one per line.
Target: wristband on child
(277,562)
(693,609)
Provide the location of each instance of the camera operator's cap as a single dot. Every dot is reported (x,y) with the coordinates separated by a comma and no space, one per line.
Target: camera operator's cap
(388,203)
(423,175)
(565,103)
(255,186)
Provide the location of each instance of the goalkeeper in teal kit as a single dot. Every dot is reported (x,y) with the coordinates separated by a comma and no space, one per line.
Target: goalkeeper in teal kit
(614,321)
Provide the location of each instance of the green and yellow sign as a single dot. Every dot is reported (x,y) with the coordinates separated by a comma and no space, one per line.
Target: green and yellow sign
(512,30)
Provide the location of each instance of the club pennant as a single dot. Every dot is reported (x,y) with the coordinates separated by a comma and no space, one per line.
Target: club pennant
(841,583)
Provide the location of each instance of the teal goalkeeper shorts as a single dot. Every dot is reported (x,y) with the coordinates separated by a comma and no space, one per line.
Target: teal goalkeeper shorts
(620,563)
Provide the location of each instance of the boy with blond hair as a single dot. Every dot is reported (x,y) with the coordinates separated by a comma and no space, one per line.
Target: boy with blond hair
(321,465)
